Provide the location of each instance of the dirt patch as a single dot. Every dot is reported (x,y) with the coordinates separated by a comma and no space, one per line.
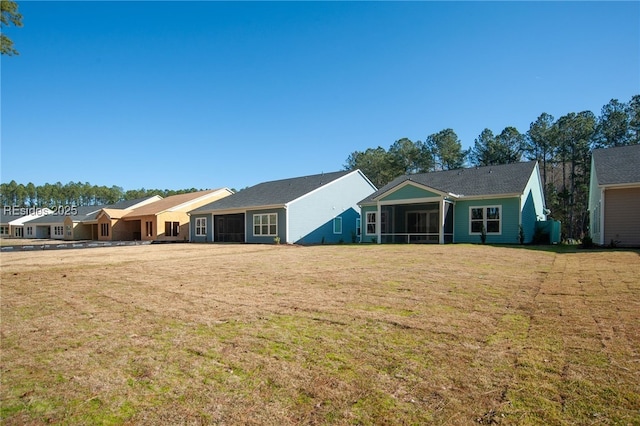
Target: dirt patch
(252,334)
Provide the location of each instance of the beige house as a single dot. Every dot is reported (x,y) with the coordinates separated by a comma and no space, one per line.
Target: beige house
(162,220)
(614,196)
(84,224)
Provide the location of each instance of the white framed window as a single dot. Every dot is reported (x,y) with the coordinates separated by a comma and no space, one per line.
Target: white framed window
(371,223)
(265,224)
(59,231)
(4,230)
(489,217)
(104,229)
(337,225)
(201,226)
(68,230)
(29,231)
(19,232)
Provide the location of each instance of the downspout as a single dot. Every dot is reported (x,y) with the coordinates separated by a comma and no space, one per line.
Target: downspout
(189,215)
(602,208)
(286,224)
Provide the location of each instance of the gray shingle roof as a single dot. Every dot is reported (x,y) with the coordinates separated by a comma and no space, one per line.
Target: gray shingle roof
(617,165)
(478,181)
(277,192)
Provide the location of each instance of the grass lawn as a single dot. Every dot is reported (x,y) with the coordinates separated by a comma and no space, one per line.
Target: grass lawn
(287,335)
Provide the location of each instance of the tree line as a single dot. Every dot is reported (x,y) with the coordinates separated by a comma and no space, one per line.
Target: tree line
(562,147)
(74,193)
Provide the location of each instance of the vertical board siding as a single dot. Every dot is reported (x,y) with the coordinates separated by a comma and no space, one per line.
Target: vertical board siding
(622,217)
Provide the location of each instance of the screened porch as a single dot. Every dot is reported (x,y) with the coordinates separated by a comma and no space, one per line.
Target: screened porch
(413,223)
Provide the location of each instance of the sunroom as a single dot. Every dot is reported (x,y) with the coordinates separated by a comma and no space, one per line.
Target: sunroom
(420,220)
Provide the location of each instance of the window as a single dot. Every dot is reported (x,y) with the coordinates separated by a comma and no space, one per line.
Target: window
(337,225)
(148,228)
(4,230)
(371,223)
(104,229)
(487,217)
(171,229)
(265,224)
(201,226)
(58,231)
(358,224)
(68,230)
(19,232)
(29,231)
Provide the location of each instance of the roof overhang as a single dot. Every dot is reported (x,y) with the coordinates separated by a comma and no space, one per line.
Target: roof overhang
(620,185)
(239,209)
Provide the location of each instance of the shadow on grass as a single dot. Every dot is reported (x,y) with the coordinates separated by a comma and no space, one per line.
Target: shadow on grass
(568,248)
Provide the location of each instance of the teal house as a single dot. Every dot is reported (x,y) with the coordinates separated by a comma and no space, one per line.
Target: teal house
(455,206)
(314,209)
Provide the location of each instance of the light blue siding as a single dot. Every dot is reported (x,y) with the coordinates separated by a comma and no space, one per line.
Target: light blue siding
(311,216)
(201,239)
(409,192)
(509,212)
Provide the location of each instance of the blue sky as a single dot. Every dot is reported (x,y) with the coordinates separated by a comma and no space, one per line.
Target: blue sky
(175,95)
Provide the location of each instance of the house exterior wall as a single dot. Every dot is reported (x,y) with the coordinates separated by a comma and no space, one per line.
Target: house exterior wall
(180,217)
(281,229)
(595,207)
(622,217)
(311,217)
(209,231)
(509,212)
(532,205)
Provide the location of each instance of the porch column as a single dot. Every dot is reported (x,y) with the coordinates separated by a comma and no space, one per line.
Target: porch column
(379,223)
(442,216)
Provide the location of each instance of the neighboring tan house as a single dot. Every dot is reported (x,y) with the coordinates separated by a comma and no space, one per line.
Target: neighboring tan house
(303,210)
(162,220)
(12,220)
(84,225)
(614,196)
(454,206)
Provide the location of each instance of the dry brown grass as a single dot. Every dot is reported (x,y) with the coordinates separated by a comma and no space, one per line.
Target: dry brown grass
(277,335)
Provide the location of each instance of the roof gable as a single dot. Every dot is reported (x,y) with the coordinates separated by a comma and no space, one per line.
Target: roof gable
(617,166)
(504,179)
(273,193)
(408,190)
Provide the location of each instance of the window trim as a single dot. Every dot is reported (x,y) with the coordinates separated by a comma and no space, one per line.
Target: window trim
(369,221)
(337,222)
(485,219)
(260,225)
(104,229)
(201,227)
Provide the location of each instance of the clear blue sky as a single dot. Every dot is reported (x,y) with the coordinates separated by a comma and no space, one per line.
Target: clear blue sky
(215,94)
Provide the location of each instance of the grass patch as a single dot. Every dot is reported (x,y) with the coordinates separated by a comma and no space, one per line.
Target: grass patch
(369,334)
